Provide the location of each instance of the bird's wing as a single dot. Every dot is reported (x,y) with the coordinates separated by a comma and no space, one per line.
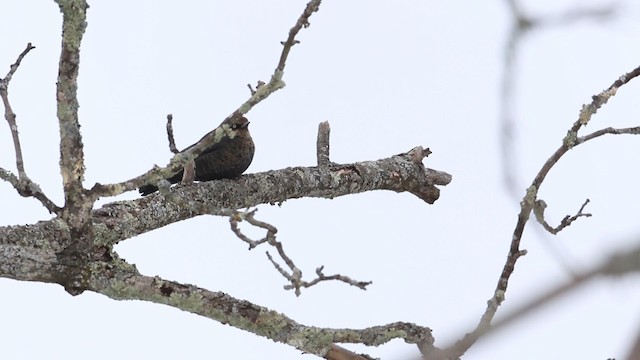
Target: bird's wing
(211,149)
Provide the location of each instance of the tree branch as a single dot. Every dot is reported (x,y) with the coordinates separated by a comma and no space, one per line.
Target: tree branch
(244,315)
(27,188)
(178,161)
(398,173)
(74,15)
(9,115)
(522,24)
(295,276)
(189,171)
(540,206)
(24,258)
(22,183)
(322,144)
(624,262)
(172,141)
(528,202)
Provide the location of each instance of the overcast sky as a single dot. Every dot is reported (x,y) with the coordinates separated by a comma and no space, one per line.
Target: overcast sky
(388,76)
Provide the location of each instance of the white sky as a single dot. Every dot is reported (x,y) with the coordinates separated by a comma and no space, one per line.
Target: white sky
(388,76)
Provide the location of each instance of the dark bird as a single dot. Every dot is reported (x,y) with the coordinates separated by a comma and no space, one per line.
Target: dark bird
(226,159)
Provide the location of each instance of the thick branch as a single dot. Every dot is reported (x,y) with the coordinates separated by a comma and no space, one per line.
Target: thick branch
(74,14)
(250,317)
(23,257)
(122,220)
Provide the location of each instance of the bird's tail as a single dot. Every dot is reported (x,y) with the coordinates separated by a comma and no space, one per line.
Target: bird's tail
(147,189)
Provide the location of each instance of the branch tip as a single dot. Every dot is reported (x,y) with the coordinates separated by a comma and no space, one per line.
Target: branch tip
(540,207)
(172,142)
(322,144)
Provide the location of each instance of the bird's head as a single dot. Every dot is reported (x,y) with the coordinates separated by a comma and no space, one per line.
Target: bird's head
(239,123)
(235,126)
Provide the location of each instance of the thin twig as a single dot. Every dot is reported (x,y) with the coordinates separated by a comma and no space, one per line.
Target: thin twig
(303,22)
(260,94)
(27,188)
(322,277)
(172,142)
(609,130)
(8,112)
(237,217)
(507,95)
(622,263)
(22,183)
(528,202)
(14,66)
(258,85)
(189,170)
(539,208)
(522,24)
(294,275)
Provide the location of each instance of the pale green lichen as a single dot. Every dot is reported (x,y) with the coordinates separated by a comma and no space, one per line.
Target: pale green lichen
(192,302)
(570,140)
(532,193)
(313,340)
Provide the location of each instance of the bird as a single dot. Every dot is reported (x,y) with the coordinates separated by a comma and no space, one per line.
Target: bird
(226,159)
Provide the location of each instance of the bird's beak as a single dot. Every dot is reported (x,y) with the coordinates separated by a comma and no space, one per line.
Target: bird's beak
(246,125)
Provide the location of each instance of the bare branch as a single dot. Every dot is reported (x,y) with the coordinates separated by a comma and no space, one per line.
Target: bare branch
(172,142)
(27,188)
(74,16)
(624,262)
(178,161)
(14,67)
(303,22)
(22,183)
(258,85)
(588,110)
(235,217)
(609,130)
(261,321)
(275,83)
(189,171)
(522,24)
(9,115)
(417,154)
(322,144)
(295,276)
(539,208)
(397,173)
(119,280)
(507,95)
(297,283)
(528,203)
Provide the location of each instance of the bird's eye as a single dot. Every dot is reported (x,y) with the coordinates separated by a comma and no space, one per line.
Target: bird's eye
(234,127)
